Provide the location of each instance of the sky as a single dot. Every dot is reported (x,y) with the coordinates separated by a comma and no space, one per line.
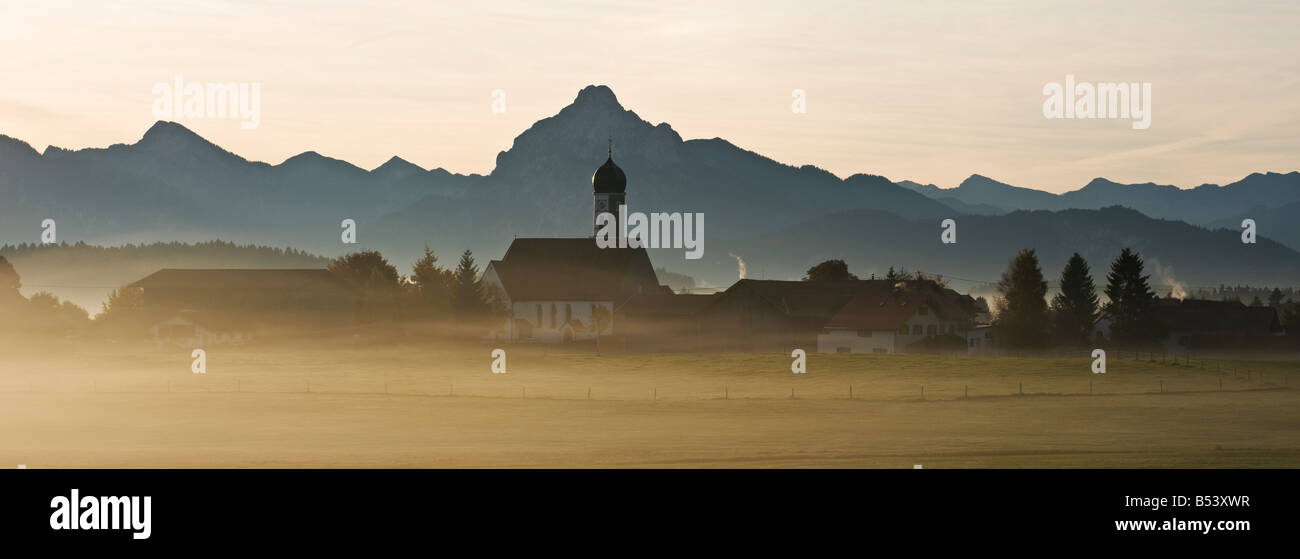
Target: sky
(925,91)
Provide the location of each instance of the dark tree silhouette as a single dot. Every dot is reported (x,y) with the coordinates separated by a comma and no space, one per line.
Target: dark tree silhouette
(1022,314)
(121,302)
(1132,306)
(467,293)
(432,283)
(830,270)
(9,284)
(367,270)
(374,278)
(1075,307)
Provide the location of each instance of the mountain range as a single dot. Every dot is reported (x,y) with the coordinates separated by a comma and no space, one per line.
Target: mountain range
(173,185)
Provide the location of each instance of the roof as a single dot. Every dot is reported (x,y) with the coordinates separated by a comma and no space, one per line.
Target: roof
(1193,315)
(668,304)
(573,269)
(609,178)
(822,301)
(884,307)
(174,278)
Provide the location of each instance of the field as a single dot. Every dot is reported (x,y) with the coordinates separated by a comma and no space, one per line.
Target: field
(354,404)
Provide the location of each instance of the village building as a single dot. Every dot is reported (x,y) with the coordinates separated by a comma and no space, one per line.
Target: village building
(885,318)
(832,316)
(568,289)
(662,322)
(230,305)
(1197,324)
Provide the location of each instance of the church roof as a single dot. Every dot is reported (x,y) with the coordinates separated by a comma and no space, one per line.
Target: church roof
(609,179)
(564,269)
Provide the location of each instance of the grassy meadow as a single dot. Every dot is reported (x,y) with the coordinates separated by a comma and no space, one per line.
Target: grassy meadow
(353,403)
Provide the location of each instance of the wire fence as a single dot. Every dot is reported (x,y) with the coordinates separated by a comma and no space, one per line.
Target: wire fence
(867,391)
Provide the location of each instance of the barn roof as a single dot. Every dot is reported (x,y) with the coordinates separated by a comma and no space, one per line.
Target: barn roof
(573,269)
(1227,317)
(244,278)
(883,307)
(668,303)
(823,302)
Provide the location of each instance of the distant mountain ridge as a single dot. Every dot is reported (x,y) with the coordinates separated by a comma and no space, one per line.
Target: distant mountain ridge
(1207,204)
(174,185)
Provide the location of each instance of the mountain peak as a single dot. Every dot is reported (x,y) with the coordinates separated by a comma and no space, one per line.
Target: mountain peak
(597,95)
(167,131)
(396,167)
(978,180)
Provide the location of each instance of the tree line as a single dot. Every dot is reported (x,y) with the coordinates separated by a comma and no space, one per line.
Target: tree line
(1026,319)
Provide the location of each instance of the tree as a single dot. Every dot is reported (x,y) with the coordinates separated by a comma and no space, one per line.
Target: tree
(374,278)
(1075,307)
(467,293)
(1256,302)
(122,302)
(898,276)
(367,270)
(1022,314)
(1132,306)
(432,282)
(830,270)
(1275,298)
(10,282)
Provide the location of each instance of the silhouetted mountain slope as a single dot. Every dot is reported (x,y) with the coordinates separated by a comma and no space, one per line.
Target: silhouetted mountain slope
(737,190)
(871,241)
(1207,204)
(174,185)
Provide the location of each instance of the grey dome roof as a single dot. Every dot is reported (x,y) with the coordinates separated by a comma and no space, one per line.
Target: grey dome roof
(609,179)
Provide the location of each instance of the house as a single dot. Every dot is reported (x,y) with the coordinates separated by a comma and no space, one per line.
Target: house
(568,289)
(230,304)
(555,289)
(662,322)
(201,329)
(1198,324)
(979,339)
(888,317)
(838,316)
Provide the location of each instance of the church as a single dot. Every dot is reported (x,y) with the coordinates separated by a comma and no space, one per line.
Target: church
(568,289)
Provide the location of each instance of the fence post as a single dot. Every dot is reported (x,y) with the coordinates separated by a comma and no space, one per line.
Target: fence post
(1021,384)
(922,391)
(588,392)
(850,391)
(726,394)
(965,391)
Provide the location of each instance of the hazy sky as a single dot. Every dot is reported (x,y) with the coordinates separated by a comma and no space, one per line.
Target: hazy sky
(928,91)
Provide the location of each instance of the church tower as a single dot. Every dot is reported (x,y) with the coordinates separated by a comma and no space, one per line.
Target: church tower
(609,186)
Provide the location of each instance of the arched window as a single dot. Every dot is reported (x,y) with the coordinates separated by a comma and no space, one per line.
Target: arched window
(539,315)
(552,315)
(568,313)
